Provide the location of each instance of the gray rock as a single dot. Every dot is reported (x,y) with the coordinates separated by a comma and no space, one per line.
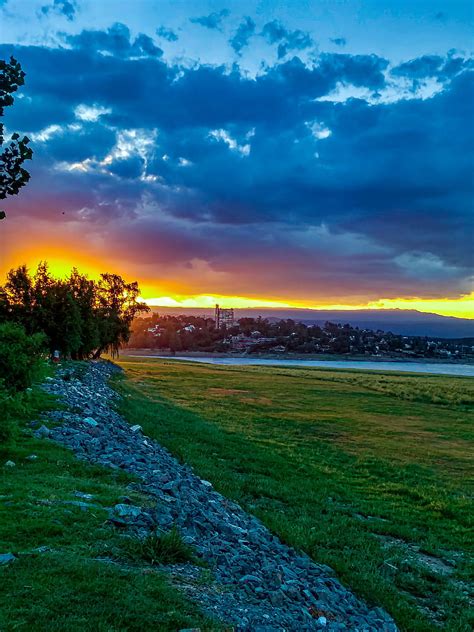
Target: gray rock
(10,464)
(136,428)
(83,495)
(250,578)
(170,488)
(42,432)
(6,558)
(90,421)
(129,512)
(31,457)
(277,598)
(291,591)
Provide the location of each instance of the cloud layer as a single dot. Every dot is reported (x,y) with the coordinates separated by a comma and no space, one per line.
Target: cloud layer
(272,185)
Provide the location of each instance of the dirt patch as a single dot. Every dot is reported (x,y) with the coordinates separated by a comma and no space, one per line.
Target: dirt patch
(433,563)
(443,568)
(265,401)
(226,391)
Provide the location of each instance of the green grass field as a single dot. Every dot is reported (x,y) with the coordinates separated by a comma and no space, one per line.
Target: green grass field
(86,579)
(370,473)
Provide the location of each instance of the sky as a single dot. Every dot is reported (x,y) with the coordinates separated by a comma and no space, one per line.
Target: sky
(299,153)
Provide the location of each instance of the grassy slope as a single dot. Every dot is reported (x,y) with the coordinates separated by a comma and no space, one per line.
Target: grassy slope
(334,462)
(67,588)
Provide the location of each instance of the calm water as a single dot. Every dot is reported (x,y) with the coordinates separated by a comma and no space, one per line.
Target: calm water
(411,367)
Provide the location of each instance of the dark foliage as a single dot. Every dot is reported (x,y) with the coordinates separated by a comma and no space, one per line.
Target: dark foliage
(176,333)
(20,357)
(12,174)
(254,335)
(21,363)
(79,317)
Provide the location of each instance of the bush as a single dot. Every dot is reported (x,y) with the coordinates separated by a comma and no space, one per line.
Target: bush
(21,357)
(21,363)
(10,408)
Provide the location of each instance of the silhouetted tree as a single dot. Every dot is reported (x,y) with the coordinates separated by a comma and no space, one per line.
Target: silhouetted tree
(79,317)
(17,298)
(83,291)
(12,174)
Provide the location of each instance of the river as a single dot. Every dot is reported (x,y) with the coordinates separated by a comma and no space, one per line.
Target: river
(466,370)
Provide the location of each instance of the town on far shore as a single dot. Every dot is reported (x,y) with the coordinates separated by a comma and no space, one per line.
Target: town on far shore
(226,334)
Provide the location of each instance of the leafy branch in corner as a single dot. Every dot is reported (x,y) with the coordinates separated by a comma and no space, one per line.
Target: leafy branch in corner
(12,174)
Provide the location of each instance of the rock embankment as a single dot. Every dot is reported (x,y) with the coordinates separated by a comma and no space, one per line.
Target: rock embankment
(261,585)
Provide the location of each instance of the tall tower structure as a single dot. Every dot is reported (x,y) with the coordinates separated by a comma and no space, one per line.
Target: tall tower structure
(223,317)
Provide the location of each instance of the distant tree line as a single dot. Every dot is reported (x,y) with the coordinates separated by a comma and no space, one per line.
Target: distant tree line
(177,333)
(258,335)
(79,317)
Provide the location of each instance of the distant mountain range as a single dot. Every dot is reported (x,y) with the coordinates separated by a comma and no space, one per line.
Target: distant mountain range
(398,321)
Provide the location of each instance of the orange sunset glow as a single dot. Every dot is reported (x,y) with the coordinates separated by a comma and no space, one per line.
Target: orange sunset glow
(63,253)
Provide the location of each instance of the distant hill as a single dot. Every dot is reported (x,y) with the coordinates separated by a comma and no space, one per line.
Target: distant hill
(399,321)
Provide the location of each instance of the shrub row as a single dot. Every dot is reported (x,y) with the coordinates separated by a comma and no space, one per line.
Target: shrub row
(21,364)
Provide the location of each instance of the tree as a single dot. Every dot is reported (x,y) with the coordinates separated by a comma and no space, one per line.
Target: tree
(56,312)
(80,318)
(12,174)
(117,307)
(18,299)
(83,291)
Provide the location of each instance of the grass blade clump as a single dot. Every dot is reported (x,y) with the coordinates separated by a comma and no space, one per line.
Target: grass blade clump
(161,548)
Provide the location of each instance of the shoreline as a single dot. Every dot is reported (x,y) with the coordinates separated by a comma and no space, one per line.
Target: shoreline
(292,356)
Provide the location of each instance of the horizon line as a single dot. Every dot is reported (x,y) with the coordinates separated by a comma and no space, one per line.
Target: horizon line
(308,309)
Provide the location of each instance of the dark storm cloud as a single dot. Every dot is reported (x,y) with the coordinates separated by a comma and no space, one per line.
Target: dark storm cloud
(275,33)
(166,34)
(213,20)
(426,66)
(241,37)
(432,66)
(256,176)
(358,70)
(148,92)
(68,8)
(116,40)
